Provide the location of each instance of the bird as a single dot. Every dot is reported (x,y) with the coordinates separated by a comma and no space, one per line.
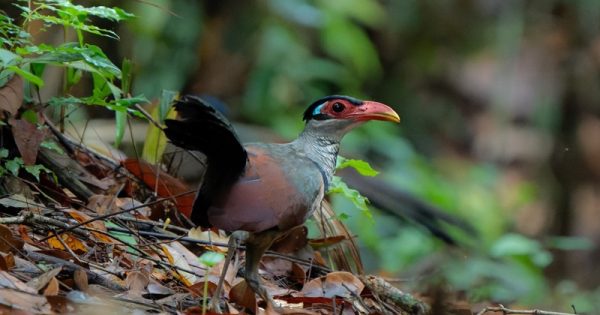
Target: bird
(261,191)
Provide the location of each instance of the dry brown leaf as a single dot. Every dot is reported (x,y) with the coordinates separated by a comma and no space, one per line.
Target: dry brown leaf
(277,266)
(74,243)
(319,243)
(136,281)
(292,242)
(7,261)
(242,295)
(24,234)
(11,96)
(42,280)
(30,303)
(80,278)
(298,273)
(96,225)
(10,282)
(178,259)
(52,287)
(337,283)
(197,289)
(59,304)
(209,236)
(28,139)
(8,243)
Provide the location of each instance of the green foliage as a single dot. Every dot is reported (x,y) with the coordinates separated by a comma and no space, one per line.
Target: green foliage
(210,259)
(362,167)
(15,165)
(21,57)
(155,143)
(337,186)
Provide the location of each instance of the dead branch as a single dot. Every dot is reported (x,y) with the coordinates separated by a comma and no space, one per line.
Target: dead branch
(67,265)
(507,311)
(389,293)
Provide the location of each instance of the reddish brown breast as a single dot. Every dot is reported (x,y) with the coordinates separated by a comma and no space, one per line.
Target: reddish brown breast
(265,197)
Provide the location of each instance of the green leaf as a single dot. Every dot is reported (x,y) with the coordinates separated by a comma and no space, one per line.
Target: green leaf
(73,76)
(126,76)
(14,165)
(27,75)
(166,99)
(37,68)
(210,259)
(121,122)
(51,145)
(30,116)
(36,169)
(126,238)
(3,153)
(360,202)
(362,167)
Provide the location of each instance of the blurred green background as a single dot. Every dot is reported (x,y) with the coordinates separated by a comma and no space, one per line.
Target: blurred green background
(500,107)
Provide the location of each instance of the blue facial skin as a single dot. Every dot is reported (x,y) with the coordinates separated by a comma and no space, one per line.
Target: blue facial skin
(317,110)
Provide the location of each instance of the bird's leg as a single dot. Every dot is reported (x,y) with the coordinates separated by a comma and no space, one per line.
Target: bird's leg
(234,241)
(256,245)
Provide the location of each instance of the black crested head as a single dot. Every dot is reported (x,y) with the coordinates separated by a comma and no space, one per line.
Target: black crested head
(310,111)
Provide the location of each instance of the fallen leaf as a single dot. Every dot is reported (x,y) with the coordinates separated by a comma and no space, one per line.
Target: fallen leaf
(242,295)
(24,234)
(292,242)
(337,283)
(130,203)
(28,139)
(276,266)
(8,243)
(209,236)
(136,281)
(298,273)
(96,225)
(8,281)
(52,288)
(80,278)
(7,261)
(176,258)
(11,96)
(19,201)
(60,304)
(28,302)
(165,184)
(327,241)
(42,280)
(75,244)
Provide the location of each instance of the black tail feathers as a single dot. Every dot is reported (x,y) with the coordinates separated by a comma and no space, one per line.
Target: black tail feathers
(202,128)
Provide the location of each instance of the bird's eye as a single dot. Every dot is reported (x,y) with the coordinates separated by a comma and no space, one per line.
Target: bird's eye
(338,107)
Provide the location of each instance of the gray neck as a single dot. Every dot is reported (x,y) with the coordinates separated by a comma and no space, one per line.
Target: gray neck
(320,141)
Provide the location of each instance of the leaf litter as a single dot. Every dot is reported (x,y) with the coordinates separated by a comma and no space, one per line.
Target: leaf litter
(97,235)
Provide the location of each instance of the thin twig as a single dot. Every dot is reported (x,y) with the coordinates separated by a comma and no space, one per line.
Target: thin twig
(507,311)
(109,215)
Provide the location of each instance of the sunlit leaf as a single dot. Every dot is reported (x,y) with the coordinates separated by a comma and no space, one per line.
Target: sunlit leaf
(210,259)
(362,167)
(27,75)
(126,238)
(360,202)
(36,169)
(120,124)
(52,145)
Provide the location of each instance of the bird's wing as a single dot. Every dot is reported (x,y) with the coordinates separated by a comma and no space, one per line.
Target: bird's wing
(202,128)
(278,190)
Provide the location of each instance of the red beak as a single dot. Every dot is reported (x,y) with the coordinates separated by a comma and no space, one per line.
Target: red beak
(370,110)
